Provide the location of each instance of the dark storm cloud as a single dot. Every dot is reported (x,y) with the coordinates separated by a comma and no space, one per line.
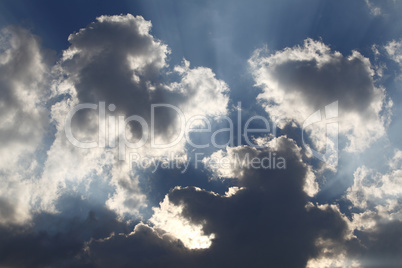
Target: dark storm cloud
(368,248)
(379,248)
(142,248)
(57,239)
(265,224)
(6,210)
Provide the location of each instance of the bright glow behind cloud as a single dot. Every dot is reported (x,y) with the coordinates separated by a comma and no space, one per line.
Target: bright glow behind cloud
(168,218)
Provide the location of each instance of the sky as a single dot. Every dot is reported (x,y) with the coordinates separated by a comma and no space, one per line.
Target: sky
(200,133)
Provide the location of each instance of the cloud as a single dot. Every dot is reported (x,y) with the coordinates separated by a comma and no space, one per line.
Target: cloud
(55,239)
(394,50)
(117,61)
(234,161)
(253,221)
(114,60)
(374,202)
(383,8)
(265,220)
(298,81)
(377,196)
(168,218)
(24,119)
(379,247)
(374,10)
(65,206)
(144,246)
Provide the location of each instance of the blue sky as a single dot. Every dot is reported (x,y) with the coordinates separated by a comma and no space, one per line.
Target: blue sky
(85,182)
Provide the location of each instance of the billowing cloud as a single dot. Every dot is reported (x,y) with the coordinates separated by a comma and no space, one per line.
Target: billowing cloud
(264,220)
(298,81)
(55,239)
(168,217)
(70,197)
(374,202)
(117,61)
(376,196)
(113,64)
(234,161)
(24,119)
(144,246)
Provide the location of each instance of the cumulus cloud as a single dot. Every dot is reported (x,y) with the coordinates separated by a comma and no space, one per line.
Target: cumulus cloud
(266,214)
(54,239)
(375,221)
(232,162)
(376,195)
(168,217)
(263,220)
(114,60)
(24,119)
(298,81)
(113,64)
(117,61)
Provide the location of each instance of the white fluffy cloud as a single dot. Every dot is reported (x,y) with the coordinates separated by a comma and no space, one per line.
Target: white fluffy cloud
(24,120)
(116,60)
(168,217)
(377,196)
(113,60)
(298,81)
(376,214)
